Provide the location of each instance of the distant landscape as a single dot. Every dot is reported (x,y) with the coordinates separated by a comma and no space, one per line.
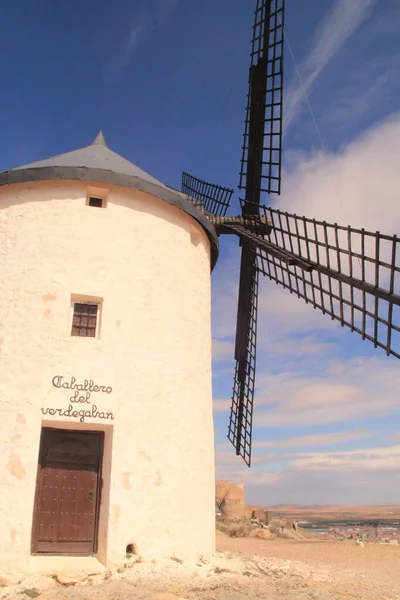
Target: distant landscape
(334,516)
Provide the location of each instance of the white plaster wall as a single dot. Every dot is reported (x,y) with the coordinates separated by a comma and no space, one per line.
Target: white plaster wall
(150,263)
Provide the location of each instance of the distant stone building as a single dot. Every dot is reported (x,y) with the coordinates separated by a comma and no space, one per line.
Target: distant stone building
(230,498)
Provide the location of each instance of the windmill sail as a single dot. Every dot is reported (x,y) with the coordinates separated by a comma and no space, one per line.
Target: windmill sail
(262,138)
(350,274)
(260,172)
(241,416)
(216,198)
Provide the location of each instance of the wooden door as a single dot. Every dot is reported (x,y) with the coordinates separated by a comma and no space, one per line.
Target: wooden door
(67,492)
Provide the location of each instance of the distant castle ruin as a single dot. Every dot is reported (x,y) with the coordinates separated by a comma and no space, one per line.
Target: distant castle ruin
(230,502)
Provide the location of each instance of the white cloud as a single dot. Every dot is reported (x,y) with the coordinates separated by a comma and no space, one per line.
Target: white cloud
(368,476)
(315,439)
(366,389)
(356,186)
(339,24)
(387,457)
(323,486)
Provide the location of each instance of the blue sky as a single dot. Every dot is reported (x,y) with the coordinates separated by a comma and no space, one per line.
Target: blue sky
(166,80)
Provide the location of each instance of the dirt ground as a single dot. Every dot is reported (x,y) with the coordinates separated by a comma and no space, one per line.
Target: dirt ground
(373,570)
(243,568)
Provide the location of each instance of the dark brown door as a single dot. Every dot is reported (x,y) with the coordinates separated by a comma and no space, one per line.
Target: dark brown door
(67,492)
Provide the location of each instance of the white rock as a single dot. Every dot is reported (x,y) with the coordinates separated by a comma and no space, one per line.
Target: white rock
(71,578)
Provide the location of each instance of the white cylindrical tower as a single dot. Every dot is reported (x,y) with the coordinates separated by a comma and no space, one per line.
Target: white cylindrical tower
(105,363)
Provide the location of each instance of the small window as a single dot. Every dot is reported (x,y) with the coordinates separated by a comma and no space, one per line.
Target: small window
(97,196)
(97,202)
(84,320)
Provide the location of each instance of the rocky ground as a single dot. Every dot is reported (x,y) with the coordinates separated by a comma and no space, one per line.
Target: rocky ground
(243,568)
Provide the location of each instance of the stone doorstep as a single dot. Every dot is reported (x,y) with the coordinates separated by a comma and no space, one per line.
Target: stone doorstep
(54,565)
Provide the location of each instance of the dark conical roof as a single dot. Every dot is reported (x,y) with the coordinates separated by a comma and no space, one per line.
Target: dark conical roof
(100,164)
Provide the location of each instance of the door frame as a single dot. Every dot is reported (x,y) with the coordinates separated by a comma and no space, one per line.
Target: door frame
(98,494)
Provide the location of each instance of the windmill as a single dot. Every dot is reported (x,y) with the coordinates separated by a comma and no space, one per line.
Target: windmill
(349,274)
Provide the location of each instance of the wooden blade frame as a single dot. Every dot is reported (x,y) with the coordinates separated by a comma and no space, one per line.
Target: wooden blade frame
(350,274)
(240,422)
(262,138)
(216,199)
(260,172)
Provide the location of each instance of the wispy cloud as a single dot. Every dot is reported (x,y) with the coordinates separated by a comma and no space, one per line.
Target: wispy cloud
(341,22)
(315,439)
(307,346)
(366,389)
(359,99)
(367,476)
(151,18)
(368,458)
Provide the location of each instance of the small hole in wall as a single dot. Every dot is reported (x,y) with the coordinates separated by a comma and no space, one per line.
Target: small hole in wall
(131,550)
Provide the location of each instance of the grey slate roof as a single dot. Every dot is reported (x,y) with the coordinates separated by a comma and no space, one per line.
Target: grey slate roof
(96,156)
(100,164)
